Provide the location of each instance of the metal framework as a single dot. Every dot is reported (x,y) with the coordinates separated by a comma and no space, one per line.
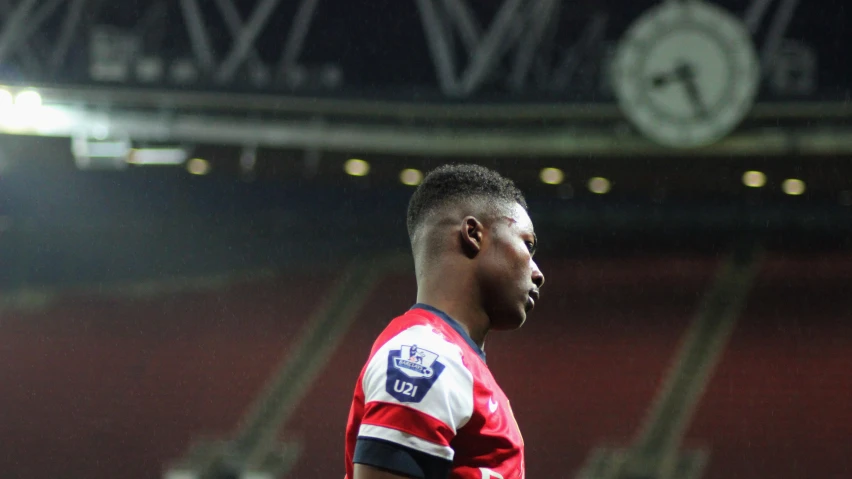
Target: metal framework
(400,140)
(515,49)
(522,29)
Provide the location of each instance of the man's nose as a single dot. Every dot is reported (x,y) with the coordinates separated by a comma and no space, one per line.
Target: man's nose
(537,276)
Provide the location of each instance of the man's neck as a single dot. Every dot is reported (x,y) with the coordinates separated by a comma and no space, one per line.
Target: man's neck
(467,313)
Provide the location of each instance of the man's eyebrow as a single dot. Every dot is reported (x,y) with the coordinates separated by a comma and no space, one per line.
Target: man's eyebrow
(514,221)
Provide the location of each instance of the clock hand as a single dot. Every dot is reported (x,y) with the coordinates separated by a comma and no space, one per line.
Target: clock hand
(662,79)
(686,75)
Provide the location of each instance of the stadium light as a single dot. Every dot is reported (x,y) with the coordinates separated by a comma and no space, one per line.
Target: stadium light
(356,167)
(754,179)
(198,166)
(100,131)
(552,176)
(793,186)
(6,99)
(411,176)
(599,185)
(157,156)
(28,99)
(25,113)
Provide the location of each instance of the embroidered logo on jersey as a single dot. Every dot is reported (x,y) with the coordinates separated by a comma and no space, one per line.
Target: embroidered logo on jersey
(415,362)
(411,372)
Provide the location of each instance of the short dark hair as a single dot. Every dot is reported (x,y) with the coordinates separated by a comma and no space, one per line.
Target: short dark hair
(459,182)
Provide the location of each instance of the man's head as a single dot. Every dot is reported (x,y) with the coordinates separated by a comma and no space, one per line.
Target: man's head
(469,225)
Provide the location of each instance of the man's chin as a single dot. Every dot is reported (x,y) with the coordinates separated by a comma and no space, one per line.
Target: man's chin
(510,323)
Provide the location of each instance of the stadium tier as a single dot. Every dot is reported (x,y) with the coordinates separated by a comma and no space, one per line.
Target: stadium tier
(107,386)
(96,397)
(779,404)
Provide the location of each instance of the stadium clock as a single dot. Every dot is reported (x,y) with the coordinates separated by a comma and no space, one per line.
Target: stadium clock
(686,73)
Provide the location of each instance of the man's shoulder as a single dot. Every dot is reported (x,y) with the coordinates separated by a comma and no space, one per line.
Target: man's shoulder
(413,356)
(420,336)
(420,326)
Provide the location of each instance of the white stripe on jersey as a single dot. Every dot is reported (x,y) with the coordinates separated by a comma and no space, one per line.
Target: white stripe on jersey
(449,399)
(407,440)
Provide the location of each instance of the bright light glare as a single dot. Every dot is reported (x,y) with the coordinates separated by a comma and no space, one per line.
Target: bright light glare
(53,119)
(100,132)
(356,167)
(754,179)
(25,113)
(44,120)
(198,166)
(793,186)
(599,185)
(410,177)
(28,99)
(6,99)
(552,176)
(157,156)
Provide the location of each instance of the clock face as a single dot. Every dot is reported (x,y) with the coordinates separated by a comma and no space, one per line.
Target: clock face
(686,73)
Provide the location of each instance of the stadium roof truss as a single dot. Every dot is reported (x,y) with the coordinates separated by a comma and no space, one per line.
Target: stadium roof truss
(38,37)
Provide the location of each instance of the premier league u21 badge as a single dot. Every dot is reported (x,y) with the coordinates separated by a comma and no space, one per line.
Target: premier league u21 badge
(411,372)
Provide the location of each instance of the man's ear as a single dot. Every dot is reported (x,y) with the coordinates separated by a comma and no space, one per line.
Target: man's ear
(471,234)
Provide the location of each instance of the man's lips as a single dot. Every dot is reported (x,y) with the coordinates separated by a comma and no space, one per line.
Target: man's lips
(532,298)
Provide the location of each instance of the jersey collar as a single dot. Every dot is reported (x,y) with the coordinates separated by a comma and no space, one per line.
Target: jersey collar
(453,324)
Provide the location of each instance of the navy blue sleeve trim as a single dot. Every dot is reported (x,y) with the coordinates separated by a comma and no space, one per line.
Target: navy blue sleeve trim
(399,459)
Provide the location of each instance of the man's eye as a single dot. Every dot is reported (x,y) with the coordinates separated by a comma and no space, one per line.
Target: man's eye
(530,246)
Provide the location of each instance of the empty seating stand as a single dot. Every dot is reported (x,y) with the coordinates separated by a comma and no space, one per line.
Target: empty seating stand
(103,386)
(780,402)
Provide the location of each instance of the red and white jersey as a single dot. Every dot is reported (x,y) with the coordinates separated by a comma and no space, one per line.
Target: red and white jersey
(426,405)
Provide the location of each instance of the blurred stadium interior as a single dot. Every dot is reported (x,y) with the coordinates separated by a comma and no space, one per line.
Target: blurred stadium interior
(202,228)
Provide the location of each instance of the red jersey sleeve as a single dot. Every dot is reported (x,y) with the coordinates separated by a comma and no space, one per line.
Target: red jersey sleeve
(417,394)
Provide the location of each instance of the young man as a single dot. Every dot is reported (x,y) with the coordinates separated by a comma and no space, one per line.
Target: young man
(425,404)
